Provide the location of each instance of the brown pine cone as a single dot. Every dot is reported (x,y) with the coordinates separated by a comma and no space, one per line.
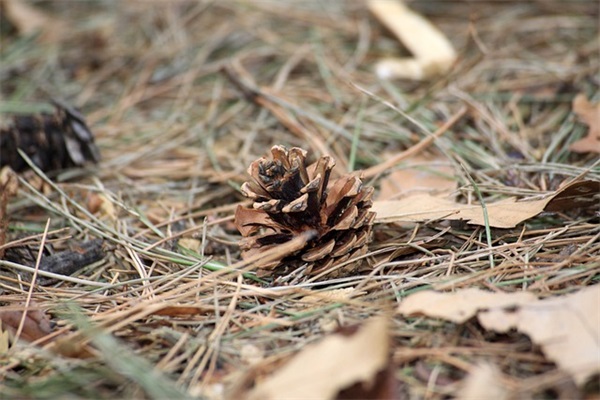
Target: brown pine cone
(291,198)
(51,141)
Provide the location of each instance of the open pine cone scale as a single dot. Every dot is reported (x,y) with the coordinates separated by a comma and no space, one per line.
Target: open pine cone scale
(291,198)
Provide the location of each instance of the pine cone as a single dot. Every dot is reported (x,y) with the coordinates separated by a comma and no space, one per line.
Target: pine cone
(290,198)
(51,141)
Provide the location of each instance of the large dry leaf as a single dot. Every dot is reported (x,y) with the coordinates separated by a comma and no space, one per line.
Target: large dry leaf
(433,53)
(422,174)
(504,214)
(322,370)
(590,114)
(567,328)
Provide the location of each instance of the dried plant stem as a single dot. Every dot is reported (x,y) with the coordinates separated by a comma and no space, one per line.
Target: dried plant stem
(33,278)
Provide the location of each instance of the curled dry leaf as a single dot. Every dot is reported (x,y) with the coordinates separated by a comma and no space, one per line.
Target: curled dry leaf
(433,53)
(590,114)
(567,328)
(503,214)
(36,325)
(324,369)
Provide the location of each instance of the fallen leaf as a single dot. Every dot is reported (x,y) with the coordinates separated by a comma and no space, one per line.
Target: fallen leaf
(460,306)
(590,114)
(433,53)
(422,174)
(181,310)
(567,328)
(36,325)
(483,382)
(324,369)
(503,214)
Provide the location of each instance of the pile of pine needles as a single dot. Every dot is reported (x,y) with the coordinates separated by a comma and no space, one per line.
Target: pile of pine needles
(171,311)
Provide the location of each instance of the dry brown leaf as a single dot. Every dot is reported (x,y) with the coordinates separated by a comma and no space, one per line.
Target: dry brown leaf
(590,114)
(414,178)
(504,214)
(460,306)
(28,20)
(567,328)
(36,325)
(322,370)
(180,311)
(433,53)
(483,382)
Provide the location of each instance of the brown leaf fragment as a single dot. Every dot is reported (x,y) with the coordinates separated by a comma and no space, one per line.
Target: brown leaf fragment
(36,325)
(590,114)
(324,369)
(182,311)
(507,213)
(384,387)
(577,195)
